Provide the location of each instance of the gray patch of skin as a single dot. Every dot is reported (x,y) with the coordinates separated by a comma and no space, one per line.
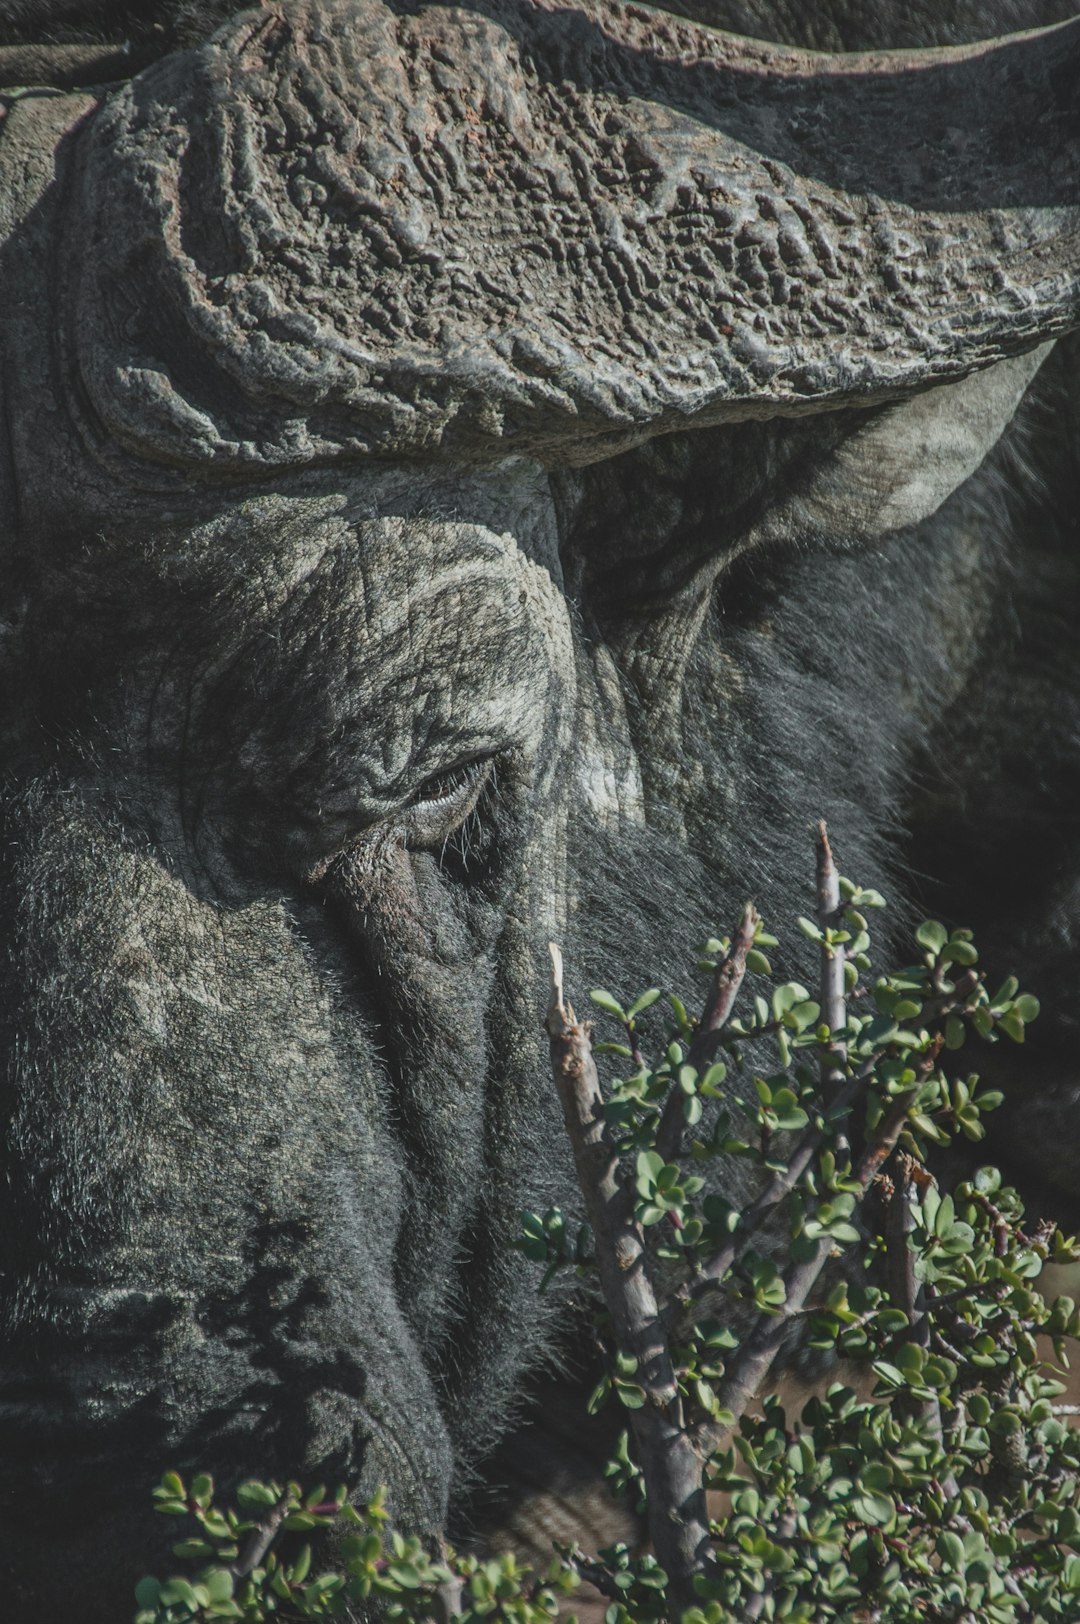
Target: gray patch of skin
(304,765)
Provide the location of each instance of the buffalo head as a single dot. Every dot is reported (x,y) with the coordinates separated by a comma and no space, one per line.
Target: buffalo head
(447,457)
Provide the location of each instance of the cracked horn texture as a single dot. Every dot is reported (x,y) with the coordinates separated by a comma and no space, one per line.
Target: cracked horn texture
(369,228)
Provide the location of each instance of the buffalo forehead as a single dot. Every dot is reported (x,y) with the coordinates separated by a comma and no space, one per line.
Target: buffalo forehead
(357,646)
(414,637)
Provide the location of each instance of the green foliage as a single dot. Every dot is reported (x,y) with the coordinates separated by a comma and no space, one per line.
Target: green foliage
(953,1491)
(248,1569)
(949,1491)
(547,1240)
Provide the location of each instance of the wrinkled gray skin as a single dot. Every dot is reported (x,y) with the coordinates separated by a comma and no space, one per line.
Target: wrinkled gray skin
(474,476)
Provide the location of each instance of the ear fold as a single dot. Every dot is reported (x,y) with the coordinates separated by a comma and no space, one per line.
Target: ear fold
(674,513)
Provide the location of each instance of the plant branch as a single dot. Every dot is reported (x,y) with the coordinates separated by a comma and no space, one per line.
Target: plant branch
(783,1532)
(727,979)
(726,982)
(833,995)
(261,1538)
(678,1519)
(779,1187)
(757,1354)
(944,1004)
(593,1572)
(904,1288)
(446,1599)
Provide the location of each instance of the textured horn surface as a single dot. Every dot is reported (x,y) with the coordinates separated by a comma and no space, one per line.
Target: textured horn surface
(373,228)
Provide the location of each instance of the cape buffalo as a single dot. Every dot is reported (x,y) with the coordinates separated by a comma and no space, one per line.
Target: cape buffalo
(473,474)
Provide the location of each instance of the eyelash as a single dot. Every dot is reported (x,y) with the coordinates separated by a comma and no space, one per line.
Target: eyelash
(442,786)
(438,798)
(457,835)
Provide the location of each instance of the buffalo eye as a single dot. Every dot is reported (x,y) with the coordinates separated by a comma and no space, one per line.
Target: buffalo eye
(440,809)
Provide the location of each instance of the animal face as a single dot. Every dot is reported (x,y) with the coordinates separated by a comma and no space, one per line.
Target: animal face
(472,477)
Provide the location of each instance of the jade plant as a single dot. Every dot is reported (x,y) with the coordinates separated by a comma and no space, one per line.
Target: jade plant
(944,1485)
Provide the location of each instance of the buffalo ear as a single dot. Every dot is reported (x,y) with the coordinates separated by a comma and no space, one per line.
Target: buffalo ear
(660,523)
(902,462)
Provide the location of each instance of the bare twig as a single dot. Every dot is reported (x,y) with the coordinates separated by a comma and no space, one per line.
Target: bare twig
(678,1520)
(726,981)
